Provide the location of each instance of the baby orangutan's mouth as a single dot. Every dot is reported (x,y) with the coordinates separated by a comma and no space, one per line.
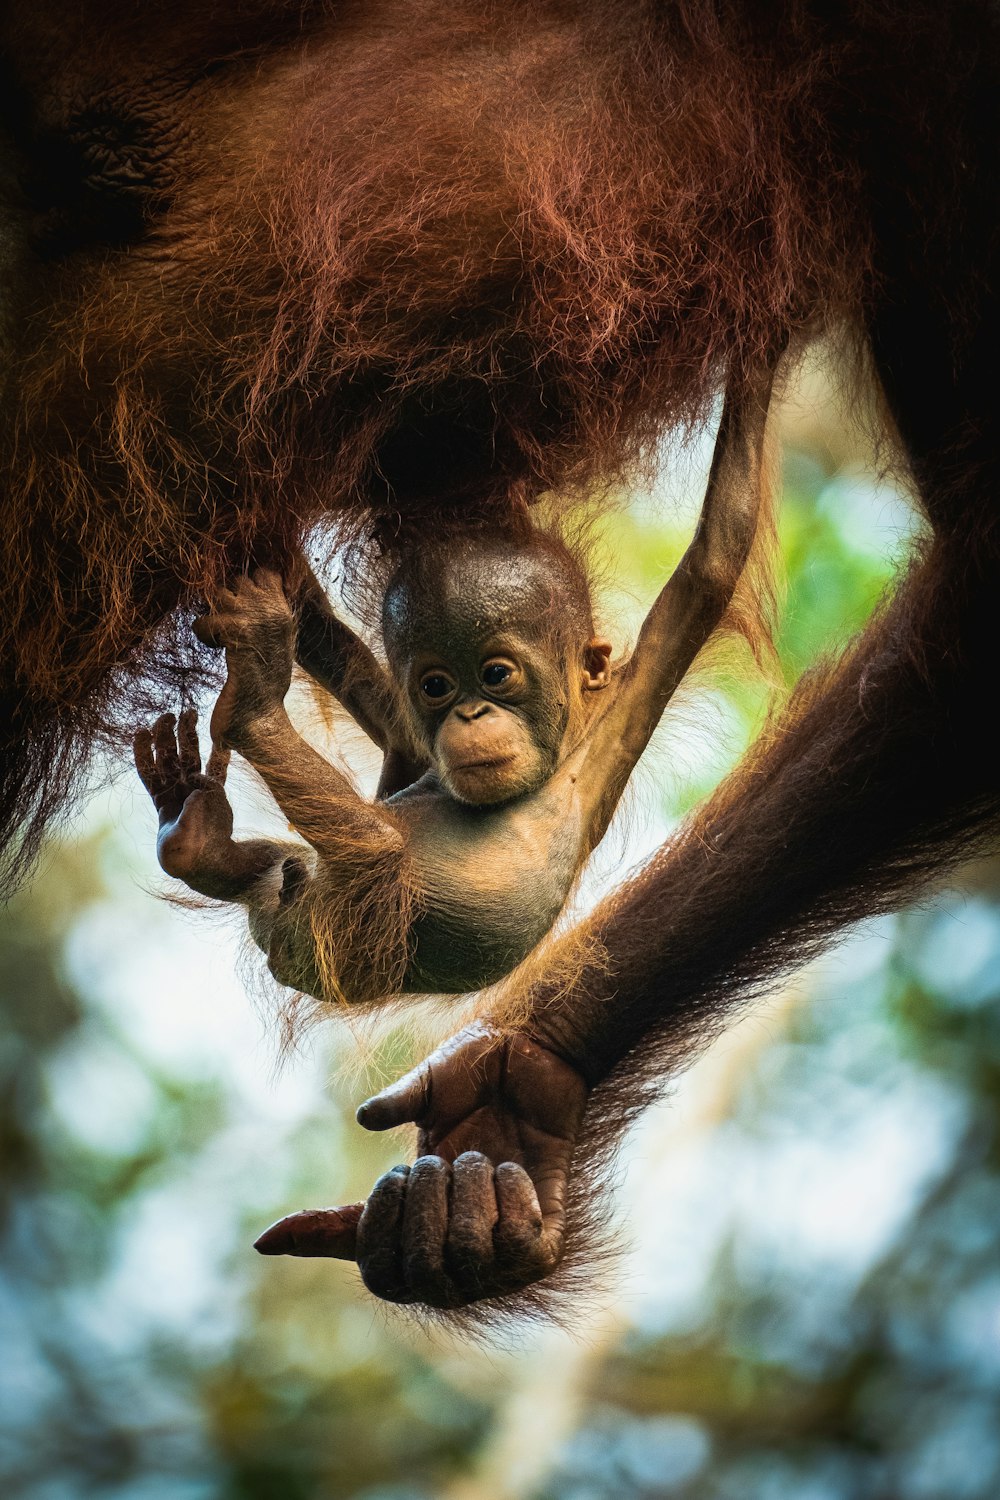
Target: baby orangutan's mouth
(493,764)
(484,782)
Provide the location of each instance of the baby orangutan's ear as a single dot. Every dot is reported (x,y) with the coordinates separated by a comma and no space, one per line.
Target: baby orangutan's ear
(596,664)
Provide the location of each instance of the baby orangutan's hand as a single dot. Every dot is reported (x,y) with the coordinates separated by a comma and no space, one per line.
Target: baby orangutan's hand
(482,1210)
(196,822)
(255,624)
(195,838)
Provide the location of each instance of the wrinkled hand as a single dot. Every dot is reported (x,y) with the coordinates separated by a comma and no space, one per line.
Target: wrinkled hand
(481,1212)
(254,622)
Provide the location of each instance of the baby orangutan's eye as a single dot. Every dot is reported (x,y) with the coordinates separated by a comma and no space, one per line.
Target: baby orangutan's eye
(497,673)
(436,686)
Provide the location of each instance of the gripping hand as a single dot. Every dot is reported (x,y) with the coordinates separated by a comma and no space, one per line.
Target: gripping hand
(481,1212)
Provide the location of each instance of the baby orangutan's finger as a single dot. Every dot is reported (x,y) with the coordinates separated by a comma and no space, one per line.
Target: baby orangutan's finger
(425,1225)
(522,1248)
(469,1248)
(269,580)
(224,599)
(145,763)
(379,1248)
(209,629)
(264,591)
(165,747)
(331,1232)
(218,763)
(187,742)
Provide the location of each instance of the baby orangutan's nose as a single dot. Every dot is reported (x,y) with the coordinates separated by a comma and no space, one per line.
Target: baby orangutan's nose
(472,710)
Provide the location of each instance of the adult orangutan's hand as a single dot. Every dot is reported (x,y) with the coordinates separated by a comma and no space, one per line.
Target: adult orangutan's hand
(481,1211)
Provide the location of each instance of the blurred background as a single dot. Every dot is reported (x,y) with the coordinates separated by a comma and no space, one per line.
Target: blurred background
(809,1303)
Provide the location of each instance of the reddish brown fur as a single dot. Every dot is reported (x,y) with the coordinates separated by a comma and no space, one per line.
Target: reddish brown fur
(493,251)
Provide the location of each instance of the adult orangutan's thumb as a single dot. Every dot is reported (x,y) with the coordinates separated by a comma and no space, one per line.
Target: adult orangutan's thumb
(315,1231)
(402,1103)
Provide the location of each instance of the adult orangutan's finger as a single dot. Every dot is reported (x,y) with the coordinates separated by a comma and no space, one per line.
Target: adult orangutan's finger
(187,742)
(550,1188)
(332,1232)
(469,1249)
(165,748)
(145,764)
(521,1246)
(379,1244)
(425,1226)
(404,1101)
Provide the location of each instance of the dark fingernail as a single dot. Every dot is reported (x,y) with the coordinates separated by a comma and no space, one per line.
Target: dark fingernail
(275,1241)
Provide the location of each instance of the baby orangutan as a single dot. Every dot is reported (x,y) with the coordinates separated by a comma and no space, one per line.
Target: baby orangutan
(507,743)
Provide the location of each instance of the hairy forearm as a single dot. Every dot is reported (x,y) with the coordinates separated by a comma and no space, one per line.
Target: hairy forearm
(699,592)
(876,776)
(316,798)
(345,667)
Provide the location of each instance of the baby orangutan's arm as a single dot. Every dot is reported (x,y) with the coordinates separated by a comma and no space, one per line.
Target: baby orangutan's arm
(694,599)
(453,1228)
(341,663)
(254,623)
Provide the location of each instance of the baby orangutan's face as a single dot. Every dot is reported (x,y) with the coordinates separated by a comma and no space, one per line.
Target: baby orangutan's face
(481,649)
(495,711)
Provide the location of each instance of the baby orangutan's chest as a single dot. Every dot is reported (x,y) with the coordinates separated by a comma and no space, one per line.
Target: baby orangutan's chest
(489,887)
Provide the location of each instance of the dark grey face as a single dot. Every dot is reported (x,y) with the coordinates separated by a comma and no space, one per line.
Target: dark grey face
(477,640)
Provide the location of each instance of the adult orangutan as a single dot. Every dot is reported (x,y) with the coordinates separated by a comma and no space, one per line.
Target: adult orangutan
(391,262)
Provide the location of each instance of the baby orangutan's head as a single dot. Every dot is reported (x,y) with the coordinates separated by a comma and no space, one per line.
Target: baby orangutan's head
(493,645)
